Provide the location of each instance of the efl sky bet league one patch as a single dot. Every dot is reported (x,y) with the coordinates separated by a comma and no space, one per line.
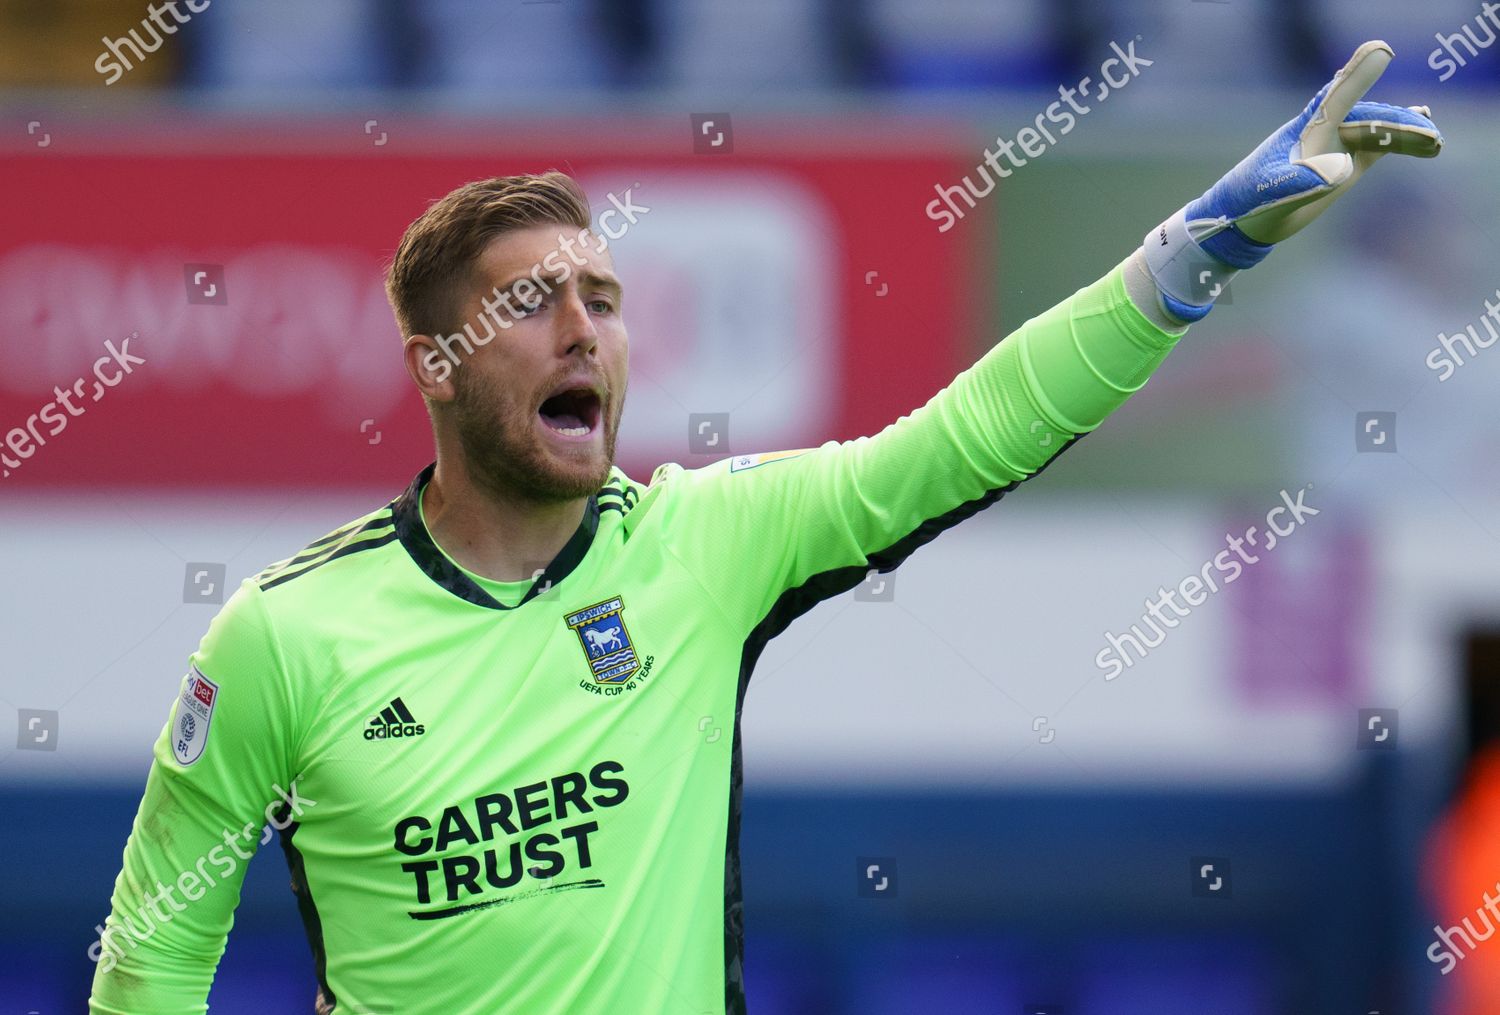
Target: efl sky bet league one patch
(195,709)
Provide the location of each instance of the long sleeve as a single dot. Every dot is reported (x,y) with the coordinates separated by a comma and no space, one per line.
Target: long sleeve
(218,774)
(770,535)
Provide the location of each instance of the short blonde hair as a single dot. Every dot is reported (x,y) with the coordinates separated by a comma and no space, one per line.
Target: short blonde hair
(435,262)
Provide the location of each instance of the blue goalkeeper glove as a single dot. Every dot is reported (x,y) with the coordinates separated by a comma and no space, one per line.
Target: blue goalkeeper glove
(1288,181)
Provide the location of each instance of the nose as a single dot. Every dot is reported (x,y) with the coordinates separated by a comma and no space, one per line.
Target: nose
(575,328)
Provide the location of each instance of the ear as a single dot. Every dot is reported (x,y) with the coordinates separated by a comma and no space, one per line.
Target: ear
(430,367)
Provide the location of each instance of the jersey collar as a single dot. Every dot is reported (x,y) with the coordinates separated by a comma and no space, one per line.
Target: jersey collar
(436,565)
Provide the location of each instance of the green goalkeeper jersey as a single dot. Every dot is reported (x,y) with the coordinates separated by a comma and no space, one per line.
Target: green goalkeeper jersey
(503,798)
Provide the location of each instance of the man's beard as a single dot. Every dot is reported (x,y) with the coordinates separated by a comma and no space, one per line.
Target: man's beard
(504,452)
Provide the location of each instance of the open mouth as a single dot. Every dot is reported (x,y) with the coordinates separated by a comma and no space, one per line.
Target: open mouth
(572,413)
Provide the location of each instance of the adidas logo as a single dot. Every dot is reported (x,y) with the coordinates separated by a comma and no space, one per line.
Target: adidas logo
(395,720)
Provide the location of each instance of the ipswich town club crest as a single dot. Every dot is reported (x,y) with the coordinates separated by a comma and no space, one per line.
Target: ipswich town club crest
(601,632)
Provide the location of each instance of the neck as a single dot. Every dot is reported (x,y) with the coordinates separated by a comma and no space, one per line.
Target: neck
(494,533)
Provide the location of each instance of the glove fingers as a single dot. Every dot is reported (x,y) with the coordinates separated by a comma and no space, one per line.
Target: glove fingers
(1321,135)
(1411,116)
(1383,129)
(1390,138)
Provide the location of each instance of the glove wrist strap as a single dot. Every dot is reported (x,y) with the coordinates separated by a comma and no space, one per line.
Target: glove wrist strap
(1187,276)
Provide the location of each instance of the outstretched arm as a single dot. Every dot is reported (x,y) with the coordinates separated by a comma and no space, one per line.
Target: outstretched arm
(816,521)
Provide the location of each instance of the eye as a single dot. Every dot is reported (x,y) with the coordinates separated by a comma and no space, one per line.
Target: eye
(528,309)
(601,306)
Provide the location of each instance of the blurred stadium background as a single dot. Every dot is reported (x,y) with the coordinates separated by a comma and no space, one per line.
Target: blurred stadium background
(1317,730)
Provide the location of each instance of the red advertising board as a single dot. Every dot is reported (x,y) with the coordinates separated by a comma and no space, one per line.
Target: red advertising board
(795,284)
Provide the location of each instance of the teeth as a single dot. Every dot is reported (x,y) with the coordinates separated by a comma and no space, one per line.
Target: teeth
(572,431)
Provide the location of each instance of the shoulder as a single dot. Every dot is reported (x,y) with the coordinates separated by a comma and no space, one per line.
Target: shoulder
(671,475)
(332,556)
(707,497)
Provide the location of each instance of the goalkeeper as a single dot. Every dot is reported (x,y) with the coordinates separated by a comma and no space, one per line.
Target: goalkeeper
(493,787)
